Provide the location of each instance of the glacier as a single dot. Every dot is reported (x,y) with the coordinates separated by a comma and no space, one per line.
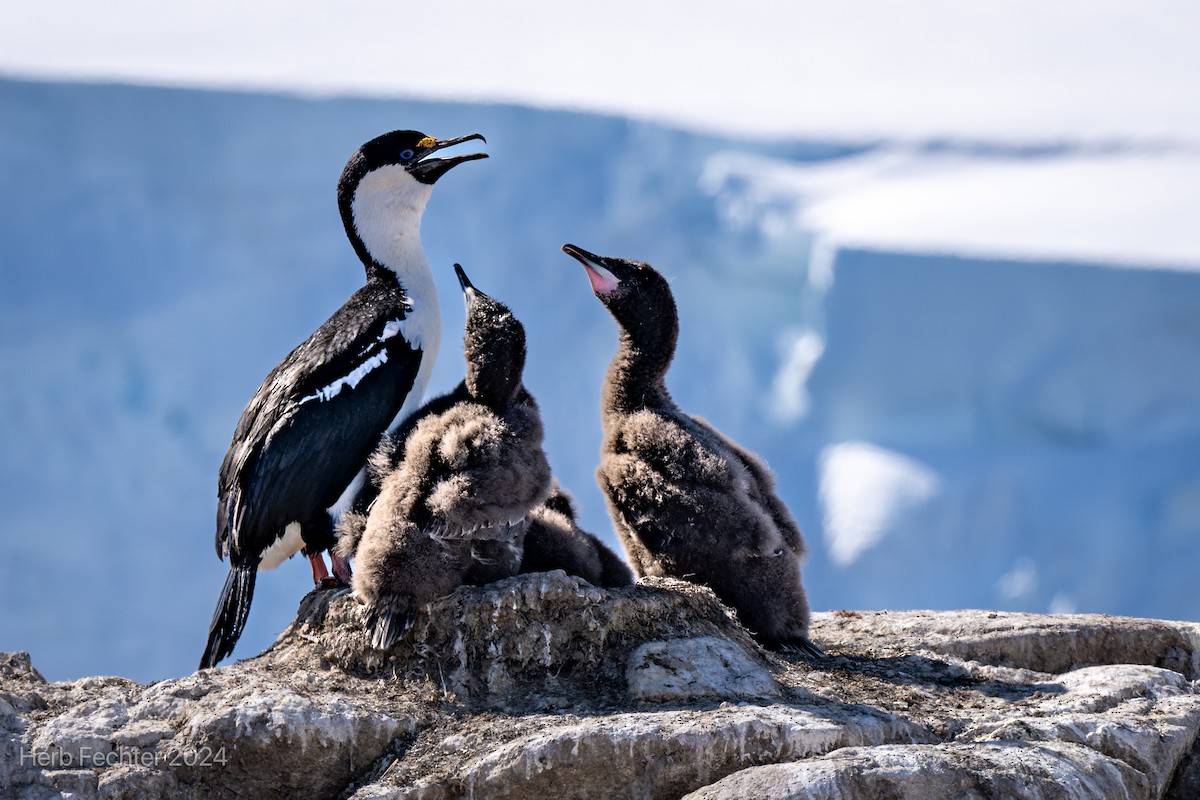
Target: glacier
(951,428)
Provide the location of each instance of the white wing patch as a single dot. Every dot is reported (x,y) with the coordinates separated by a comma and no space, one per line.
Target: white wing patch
(393,327)
(415,329)
(353,379)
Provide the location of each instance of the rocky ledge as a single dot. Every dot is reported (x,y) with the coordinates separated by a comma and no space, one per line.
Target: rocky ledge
(542,686)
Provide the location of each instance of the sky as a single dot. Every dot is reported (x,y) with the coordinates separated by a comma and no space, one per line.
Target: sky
(1018,69)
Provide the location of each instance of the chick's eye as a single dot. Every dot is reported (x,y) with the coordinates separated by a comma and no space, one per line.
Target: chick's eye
(406,155)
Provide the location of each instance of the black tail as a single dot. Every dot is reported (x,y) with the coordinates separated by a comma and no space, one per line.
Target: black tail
(388,625)
(801,646)
(230,617)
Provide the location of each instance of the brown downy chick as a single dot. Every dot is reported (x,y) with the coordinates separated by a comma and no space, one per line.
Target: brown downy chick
(687,502)
(553,540)
(461,478)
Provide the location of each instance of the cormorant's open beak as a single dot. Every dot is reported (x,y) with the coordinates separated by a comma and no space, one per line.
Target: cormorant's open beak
(468,289)
(428,170)
(599,269)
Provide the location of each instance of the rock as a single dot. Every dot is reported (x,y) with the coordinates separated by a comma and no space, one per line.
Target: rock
(1186,783)
(542,686)
(1137,716)
(18,667)
(682,669)
(661,754)
(523,633)
(1009,770)
(1052,643)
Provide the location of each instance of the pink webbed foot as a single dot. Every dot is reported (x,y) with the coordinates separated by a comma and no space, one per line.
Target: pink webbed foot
(321,577)
(341,569)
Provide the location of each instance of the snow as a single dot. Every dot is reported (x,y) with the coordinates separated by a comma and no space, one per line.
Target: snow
(1126,205)
(863,490)
(942,402)
(1020,582)
(802,349)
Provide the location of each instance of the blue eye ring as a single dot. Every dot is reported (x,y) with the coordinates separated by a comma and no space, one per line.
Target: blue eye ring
(406,155)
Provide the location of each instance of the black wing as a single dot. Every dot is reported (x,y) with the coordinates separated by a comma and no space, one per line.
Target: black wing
(312,424)
(390,452)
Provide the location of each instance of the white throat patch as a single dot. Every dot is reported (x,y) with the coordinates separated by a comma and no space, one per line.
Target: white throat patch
(386,210)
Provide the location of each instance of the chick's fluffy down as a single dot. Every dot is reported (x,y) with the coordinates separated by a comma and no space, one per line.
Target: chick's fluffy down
(493,467)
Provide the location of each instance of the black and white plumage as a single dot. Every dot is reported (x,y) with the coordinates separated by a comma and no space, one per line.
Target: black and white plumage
(687,502)
(299,452)
(554,540)
(459,479)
